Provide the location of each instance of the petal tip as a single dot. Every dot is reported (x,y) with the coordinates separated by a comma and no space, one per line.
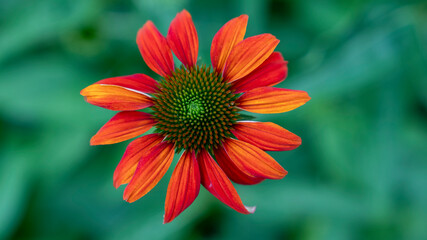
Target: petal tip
(274,40)
(251,209)
(166,221)
(127,198)
(127,194)
(116,182)
(93,141)
(305,97)
(148,22)
(184,11)
(298,141)
(86,91)
(244,16)
(283,173)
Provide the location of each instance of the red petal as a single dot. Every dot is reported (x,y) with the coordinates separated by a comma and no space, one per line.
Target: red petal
(266,135)
(225,39)
(123,126)
(232,171)
(182,38)
(273,71)
(252,160)
(137,149)
(137,82)
(272,100)
(247,55)
(184,186)
(149,171)
(116,98)
(217,183)
(154,49)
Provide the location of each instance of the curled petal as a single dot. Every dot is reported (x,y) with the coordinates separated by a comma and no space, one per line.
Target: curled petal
(149,171)
(247,55)
(225,39)
(116,98)
(272,100)
(217,183)
(137,82)
(155,50)
(252,160)
(182,38)
(232,171)
(184,186)
(273,71)
(266,135)
(137,149)
(123,126)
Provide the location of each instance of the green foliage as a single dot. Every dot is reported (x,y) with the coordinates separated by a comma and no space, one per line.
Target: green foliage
(361,172)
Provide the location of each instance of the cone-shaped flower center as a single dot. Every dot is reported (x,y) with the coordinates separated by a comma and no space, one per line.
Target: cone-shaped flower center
(195,108)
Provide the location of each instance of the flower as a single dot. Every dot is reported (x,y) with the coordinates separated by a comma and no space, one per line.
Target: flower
(195,109)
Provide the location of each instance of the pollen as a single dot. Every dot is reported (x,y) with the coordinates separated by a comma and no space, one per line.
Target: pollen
(195,108)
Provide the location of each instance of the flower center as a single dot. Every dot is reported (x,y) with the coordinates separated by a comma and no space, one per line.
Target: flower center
(195,108)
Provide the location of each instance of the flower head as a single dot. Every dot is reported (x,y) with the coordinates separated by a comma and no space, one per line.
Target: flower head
(195,110)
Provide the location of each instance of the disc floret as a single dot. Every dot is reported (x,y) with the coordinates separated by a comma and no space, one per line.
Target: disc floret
(195,108)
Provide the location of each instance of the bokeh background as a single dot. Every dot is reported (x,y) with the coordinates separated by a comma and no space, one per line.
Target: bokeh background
(361,172)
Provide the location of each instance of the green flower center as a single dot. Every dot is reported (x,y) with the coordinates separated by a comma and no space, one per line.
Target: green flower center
(195,108)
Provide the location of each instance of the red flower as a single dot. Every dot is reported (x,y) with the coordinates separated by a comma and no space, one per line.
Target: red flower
(196,109)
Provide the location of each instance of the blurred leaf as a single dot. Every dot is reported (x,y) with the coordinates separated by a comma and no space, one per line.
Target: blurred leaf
(15,182)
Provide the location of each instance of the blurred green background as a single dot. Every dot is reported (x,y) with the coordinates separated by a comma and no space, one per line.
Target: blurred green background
(361,172)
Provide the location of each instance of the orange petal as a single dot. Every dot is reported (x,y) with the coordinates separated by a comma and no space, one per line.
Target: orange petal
(232,171)
(138,82)
(137,149)
(266,135)
(184,186)
(149,171)
(252,160)
(116,98)
(217,183)
(247,55)
(154,49)
(123,126)
(182,38)
(225,39)
(273,71)
(272,100)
